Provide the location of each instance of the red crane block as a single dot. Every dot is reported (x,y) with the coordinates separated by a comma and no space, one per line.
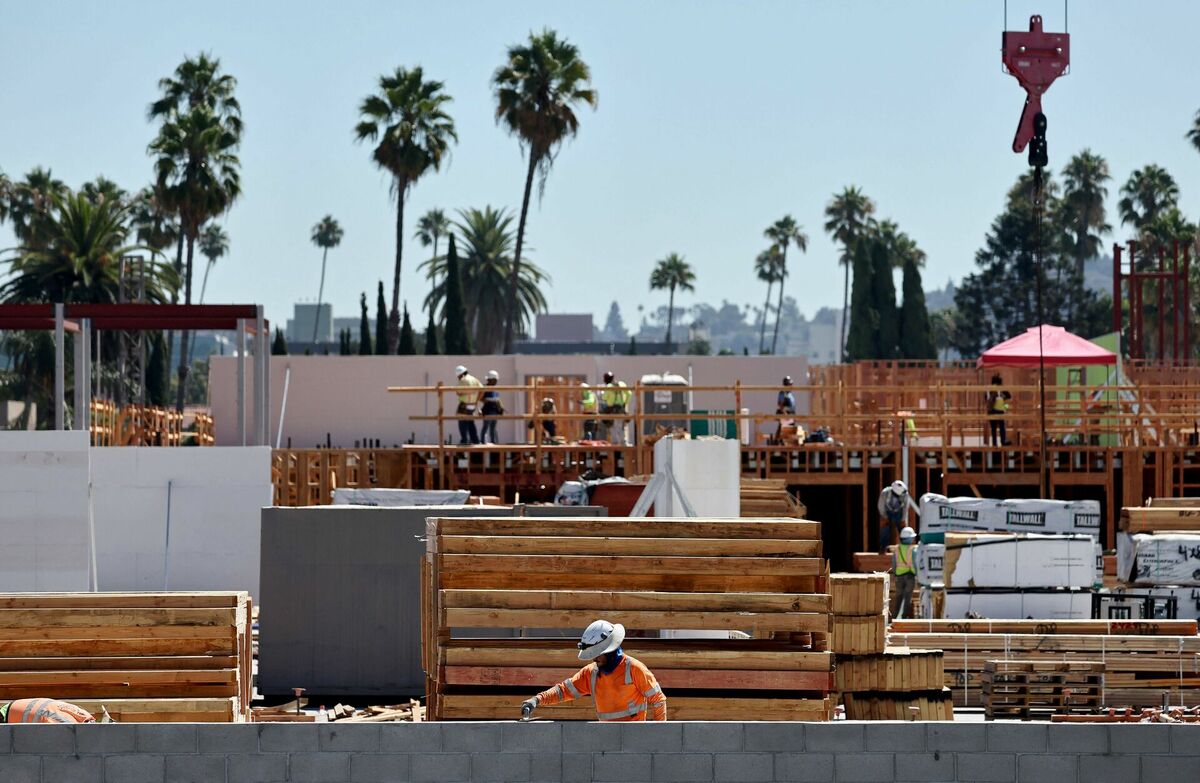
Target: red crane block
(1036,59)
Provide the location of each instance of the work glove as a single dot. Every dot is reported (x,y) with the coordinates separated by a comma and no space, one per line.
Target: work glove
(527,707)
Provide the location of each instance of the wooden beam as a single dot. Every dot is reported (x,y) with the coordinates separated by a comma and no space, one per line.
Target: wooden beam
(647,620)
(707,583)
(636,601)
(730,679)
(561,653)
(645,547)
(654,527)
(97,618)
(520,565)
(458,707)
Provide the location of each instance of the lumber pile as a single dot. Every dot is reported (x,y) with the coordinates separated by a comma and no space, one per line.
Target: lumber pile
(757,589)
(1037,689)
(1160,519)
(932,705)
(145,657)
(860,605)
(768,498)
(1144,660)
(895,670)
(1174,503)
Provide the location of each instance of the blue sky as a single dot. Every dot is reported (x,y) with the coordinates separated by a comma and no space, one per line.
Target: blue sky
(714,119)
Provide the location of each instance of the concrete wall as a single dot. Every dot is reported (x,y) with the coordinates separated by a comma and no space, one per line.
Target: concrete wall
(544,751)
(347,397)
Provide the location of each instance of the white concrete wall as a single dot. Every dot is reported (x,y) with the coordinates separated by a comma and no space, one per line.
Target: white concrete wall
(347,397)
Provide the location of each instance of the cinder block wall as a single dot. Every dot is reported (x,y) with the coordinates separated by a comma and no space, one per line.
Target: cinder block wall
(543,751)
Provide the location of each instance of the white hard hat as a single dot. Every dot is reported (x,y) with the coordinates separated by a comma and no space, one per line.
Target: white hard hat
(492,374)
(460,370)
(907,534)
(599,638)
(584,385)
(899,487)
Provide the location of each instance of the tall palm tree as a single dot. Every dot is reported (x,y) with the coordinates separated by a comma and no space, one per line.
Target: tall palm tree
(153,221)
(538,89)
(6,186)
(1085,179)
(30,203)
(671,273)
(198,82)
(485,241)
(412,132)
(214,244)
(768,269)
(104,189)
(1149,192)
(326,233)
(847,216)
(783,233)
(431,227)
(1194,133)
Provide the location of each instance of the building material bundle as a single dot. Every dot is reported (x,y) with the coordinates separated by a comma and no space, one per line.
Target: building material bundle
(1144,660)
(860,605)
(1160,519)
(1038,689)
(1045,603)
(1159,558)
(145,657)
(895,670)
(940,514)
(926,706)
(766,498)
(745,604)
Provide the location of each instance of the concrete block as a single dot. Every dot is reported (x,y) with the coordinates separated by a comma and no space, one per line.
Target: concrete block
(134,768)
(581,737)
(576,767)
(535,737)
(471,737)
(1139,738)
(256,767)
(544,767)
(621,767)
(1016,737)
(224,738)
(1048,768)
(743,767)
(287,737)
(712,737)
(166,738)
(1183,739)
(780,737)
(5,739)
(195,768)
(838,737)
(379,767)
(21,769)
(107,738)
(1078,738)
(657,737)
(987,767)
(499,767)
(72,769)
(441,767)
(321,767)
(864,767)
(804,767)
(356,737)
(1108,769)
(684,767)
(410,737)
(924,766)
(1170,768)
(897,736)
(955,737)
(43,739)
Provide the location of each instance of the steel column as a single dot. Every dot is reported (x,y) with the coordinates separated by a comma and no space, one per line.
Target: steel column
(241,380)
(60,359)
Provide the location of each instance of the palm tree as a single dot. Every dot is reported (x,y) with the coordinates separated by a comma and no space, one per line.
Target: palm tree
(214,243)
(30,202)
(198,82)
(538,89)
(153,222)
(432,226)
(670,273)
(326,233)
(1085,177)
(485,242)
(1149,192)
(768,269)
(408,119)
(847,216)
(782,233)
(1194,133)
(103,189)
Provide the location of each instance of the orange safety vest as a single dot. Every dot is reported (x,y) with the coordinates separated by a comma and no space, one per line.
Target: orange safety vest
(627,693)
(44,711)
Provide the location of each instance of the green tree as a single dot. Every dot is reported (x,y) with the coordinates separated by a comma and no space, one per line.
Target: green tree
(29,205)
(1148,193)
(847,216)
(431,336)
(783,233)
(538,89)
(767,268)
(458,340)
(614,325)
(883,302)
(431,227)
(669,274)
(916,339)
(1085,190)
(1193,133)
(326,234)
(214,244)
(279,344)
(153,221)
(407,345)
(381,323)
(157,372)
(344,346)
(103,189)
(407,121)
(364,328)
(632,346)
(943,324)
(864,321)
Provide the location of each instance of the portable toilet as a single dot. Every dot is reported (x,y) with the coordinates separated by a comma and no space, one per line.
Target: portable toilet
(668,393)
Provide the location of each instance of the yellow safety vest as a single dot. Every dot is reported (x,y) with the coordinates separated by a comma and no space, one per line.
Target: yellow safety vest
(468,383)
(904,563)
(588,399)
(616,394)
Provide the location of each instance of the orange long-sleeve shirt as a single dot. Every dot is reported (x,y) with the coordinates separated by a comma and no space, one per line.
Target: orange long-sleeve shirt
(629,692)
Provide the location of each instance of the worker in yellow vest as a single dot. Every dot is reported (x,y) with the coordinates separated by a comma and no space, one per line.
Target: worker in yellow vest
(470,394)
(997,405)
(614,398)
(588,405)
(905,571)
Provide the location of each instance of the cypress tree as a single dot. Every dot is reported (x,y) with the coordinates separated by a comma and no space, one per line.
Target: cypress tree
(407,345)
(156,372)
(458,342)
(344,343)
(381,322)
(279,344)
(431,340)
(633,346)
(883,302)
(916,333)
(864,321)
(364,329)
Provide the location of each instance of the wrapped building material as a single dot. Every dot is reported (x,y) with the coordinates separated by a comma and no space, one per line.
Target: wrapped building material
(940,514)
(987,560)
(1159,558)
(1004,604)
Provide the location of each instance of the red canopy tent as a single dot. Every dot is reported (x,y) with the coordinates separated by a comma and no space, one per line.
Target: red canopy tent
(1059,347)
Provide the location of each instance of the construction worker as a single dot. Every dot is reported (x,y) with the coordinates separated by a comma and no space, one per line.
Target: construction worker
(614,399)
(469,394)
(588,405)
(785,405)
(905,573)
(622,688)
(43,711)
(893,505)
(997,405)
(492,407)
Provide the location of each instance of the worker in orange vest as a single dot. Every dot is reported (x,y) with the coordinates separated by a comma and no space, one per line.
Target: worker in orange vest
(621,686)
(43,711)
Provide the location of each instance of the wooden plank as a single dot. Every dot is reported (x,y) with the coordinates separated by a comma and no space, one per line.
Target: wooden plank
(1159,518)
(1050,627)
(642,620)
(121,632)
(645,547)
(105,690)
(636,601)
(76,617)
(726,679)
(519,566)
(43,648)
(520,652)
(182,662)
(705,583)
(209,710)
(475,707)
(118,677)
(200,600)
(653,527)
(1048,643)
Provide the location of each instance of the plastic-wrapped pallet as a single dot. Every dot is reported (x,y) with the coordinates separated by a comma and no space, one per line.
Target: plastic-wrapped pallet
(996,560)
(1004,604)
(940,514)
(1159,558)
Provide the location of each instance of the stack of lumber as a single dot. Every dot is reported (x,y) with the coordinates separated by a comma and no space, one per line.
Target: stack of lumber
(1037,689)
(1160,519)
(768,498)
(1144,660)
(758,590)
(145,657)
(876,682)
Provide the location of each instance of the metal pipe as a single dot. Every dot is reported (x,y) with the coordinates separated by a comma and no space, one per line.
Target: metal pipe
(60,372)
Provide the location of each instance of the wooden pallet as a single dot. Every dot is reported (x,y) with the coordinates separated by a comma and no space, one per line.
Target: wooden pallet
(145,655)
(897,669)
(762,581)
(859,594)
(1036,689)
(934,705)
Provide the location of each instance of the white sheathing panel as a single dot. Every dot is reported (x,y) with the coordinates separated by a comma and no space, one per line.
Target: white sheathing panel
(940,514)
(708,472)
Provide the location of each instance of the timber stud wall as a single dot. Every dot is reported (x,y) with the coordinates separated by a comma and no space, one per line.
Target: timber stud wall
(844,752)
